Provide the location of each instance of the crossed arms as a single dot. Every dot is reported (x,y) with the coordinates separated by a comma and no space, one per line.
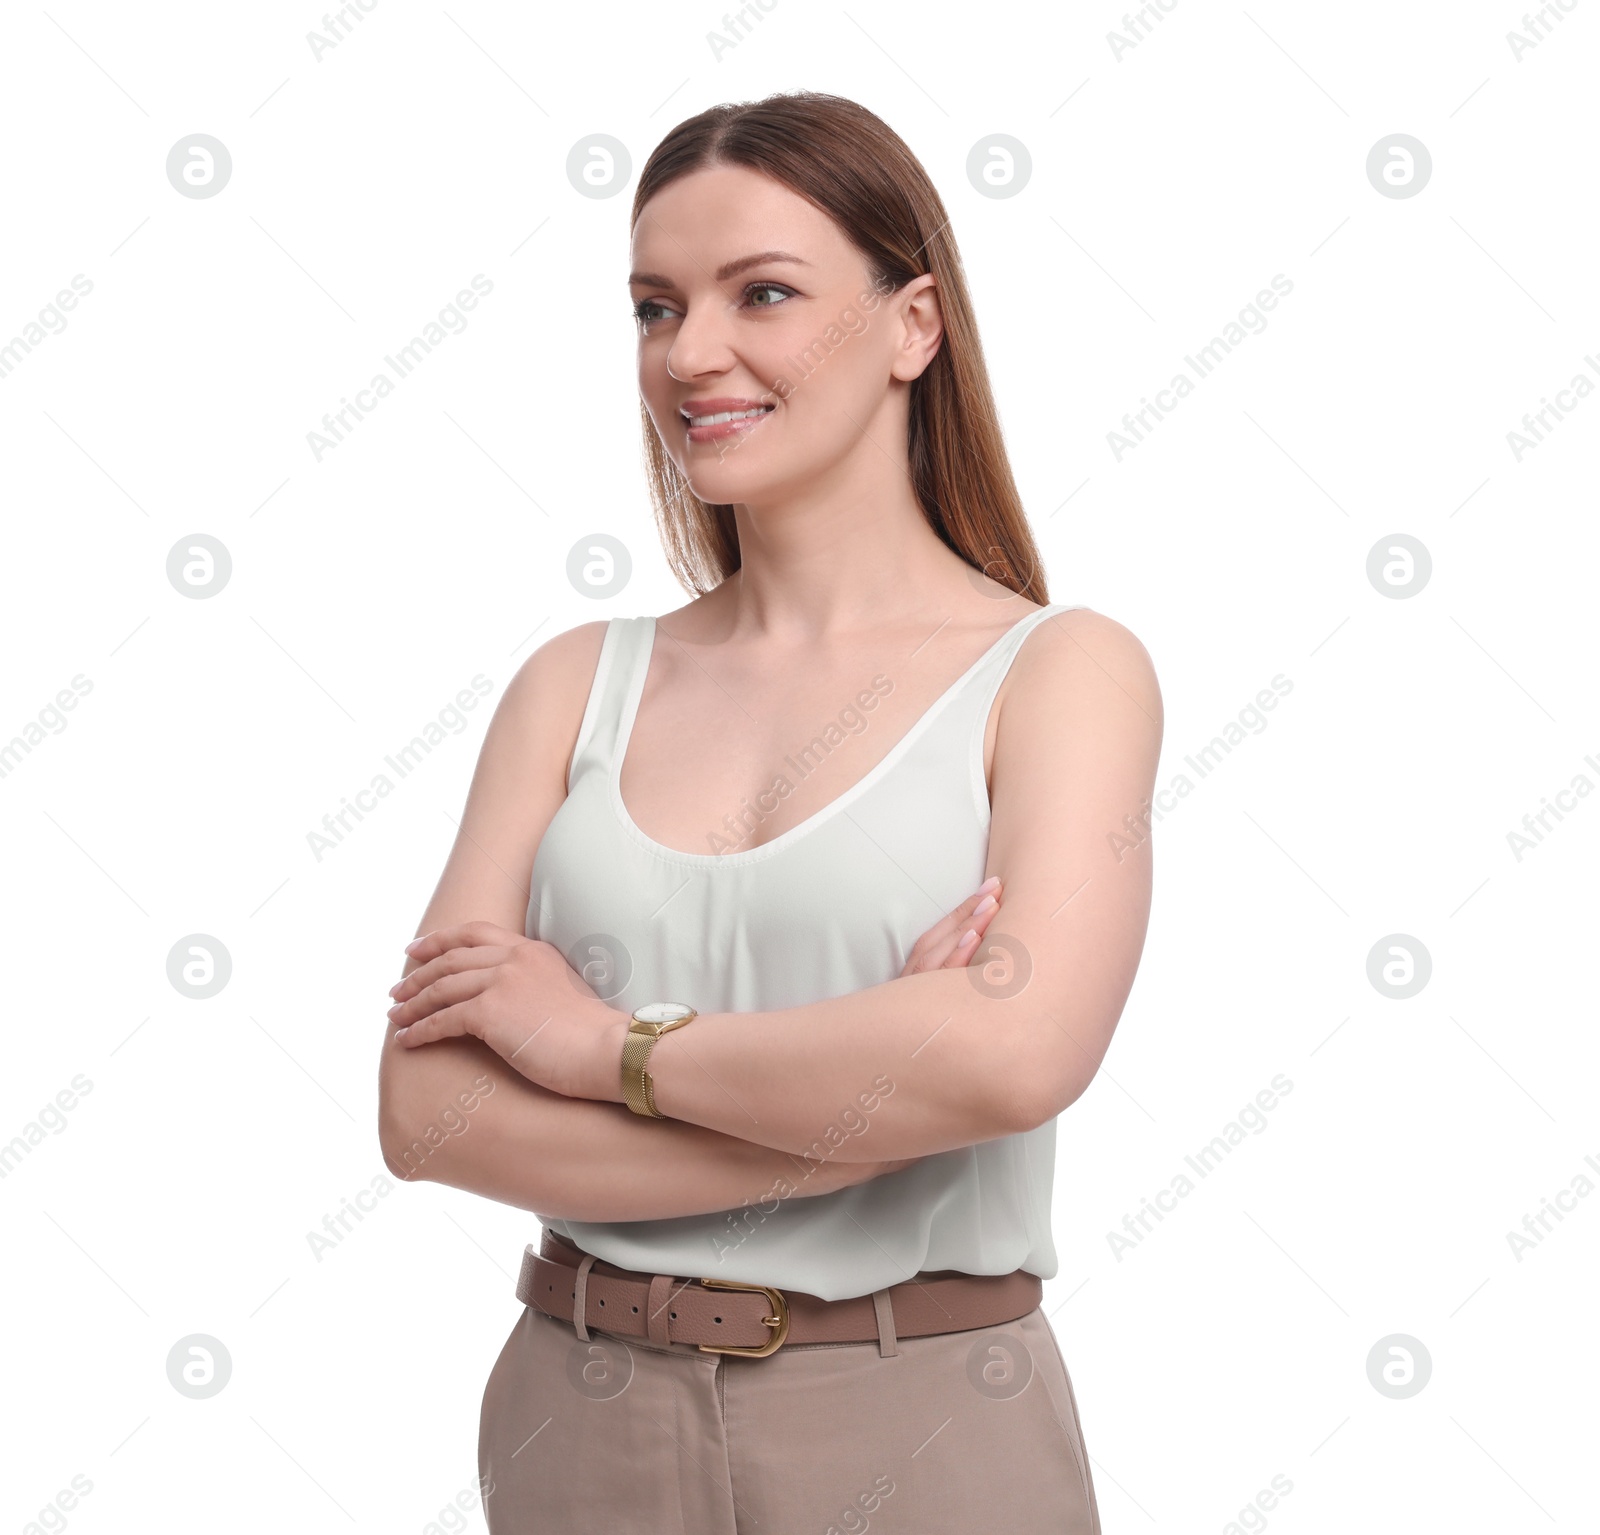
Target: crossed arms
(752,1097)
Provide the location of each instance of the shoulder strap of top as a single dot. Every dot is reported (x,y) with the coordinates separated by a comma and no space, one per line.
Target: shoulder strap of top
(625,655)
(999,663)
(985,681)
(622,654)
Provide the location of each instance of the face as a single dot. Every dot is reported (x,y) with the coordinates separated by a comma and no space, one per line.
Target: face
(751,304)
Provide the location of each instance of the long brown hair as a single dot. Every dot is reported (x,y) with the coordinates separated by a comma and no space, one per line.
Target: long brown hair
(849,163)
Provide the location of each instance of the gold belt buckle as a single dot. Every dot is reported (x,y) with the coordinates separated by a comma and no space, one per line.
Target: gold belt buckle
(778,1321)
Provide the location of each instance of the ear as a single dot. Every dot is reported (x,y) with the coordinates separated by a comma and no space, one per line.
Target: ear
(921,324)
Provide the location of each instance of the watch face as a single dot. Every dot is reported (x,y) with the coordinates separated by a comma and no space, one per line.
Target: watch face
(663,1012)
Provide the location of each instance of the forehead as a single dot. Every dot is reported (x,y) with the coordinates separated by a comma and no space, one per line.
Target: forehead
(724,212)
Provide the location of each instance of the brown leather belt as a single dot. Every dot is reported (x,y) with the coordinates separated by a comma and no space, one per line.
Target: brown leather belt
(727,1317)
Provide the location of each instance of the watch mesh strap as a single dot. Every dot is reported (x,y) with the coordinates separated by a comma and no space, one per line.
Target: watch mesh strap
(635,1079)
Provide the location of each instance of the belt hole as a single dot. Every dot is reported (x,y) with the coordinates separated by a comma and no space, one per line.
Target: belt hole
(602,1303)
(636,1309)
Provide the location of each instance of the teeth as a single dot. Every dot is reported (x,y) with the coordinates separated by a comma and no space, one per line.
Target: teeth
(728,415)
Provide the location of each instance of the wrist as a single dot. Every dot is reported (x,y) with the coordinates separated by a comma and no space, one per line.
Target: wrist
(650,1029)
(612,1029)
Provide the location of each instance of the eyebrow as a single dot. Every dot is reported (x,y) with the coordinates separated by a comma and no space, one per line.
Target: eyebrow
(724,272)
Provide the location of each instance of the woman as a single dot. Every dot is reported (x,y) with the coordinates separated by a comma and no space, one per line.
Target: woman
(790,1132)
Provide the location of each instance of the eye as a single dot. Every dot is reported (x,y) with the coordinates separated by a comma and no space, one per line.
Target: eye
(757,288)
(645,311)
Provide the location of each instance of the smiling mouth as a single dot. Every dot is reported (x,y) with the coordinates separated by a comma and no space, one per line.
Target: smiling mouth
(727,415)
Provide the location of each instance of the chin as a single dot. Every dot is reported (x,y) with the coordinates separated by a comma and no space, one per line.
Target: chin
(724,489)
(729,480)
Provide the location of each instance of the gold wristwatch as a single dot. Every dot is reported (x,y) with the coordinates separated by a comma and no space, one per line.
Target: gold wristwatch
(649,1023)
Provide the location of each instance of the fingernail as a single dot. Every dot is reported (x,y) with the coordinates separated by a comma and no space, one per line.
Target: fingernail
(410,946)
(988,903)
(991,883)
(394,991)
(972,937)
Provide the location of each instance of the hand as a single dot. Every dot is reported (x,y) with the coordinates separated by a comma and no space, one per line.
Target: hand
(947,944)
(521,998)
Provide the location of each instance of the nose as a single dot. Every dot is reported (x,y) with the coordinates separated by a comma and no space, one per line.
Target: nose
(700,345)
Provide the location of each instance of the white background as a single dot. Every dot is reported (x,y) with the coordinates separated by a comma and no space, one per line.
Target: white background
(1168,187)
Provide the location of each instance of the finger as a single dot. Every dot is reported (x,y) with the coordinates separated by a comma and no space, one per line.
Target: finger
(451,962)
(958,950)
(447,1023)
(446,991)
(460,935)
(932,949)
(956,922)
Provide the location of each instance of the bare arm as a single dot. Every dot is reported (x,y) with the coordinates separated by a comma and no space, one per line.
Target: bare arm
(970,1055)
(508,1139)
(455,1113)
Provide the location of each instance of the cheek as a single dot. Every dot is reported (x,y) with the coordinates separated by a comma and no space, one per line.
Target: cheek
(828,373)
(651,373)
(655,389)
(776,358)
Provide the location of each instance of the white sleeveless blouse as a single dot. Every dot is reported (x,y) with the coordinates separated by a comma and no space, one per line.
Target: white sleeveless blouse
(831,906)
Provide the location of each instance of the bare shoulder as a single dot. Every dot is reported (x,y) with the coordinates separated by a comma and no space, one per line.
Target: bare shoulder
(1077,750)
(518,784)
(562,666)
(542,709)
(1081,665)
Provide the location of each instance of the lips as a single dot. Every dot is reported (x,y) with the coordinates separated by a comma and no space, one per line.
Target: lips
(713,420)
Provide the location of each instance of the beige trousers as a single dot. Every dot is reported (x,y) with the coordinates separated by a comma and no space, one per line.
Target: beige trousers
(963,1433)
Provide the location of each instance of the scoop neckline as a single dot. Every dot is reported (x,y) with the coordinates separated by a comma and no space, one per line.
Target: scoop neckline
(645,649)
